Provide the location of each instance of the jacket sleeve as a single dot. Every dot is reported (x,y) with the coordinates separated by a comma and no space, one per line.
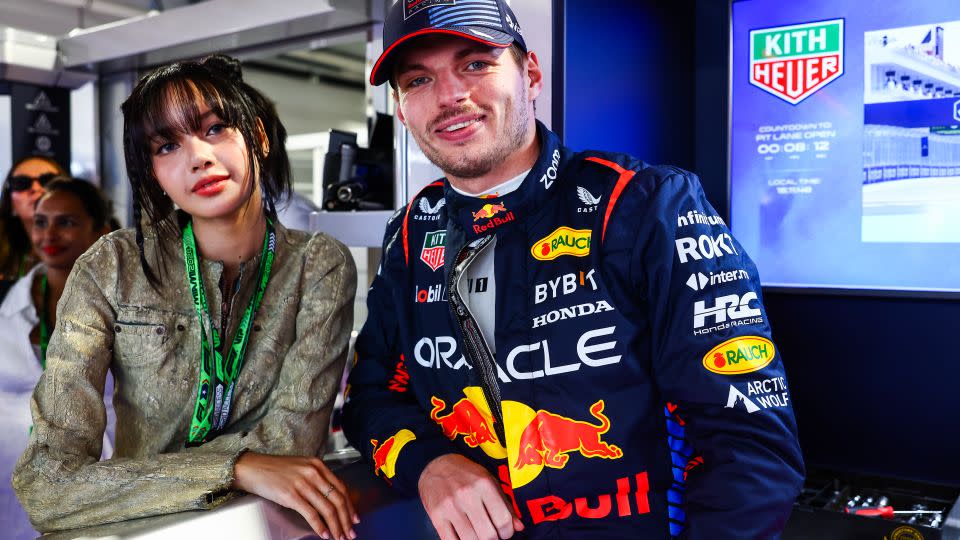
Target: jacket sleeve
(381,416)
(733,438)
(58,479)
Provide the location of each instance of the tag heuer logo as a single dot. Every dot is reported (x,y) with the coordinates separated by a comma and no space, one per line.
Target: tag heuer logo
(793,62)
(433,250)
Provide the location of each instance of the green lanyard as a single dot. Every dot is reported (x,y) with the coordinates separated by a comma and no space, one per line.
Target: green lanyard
(44,325)
(212,410)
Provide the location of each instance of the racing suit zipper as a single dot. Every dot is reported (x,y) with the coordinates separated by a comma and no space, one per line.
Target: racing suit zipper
(475,344)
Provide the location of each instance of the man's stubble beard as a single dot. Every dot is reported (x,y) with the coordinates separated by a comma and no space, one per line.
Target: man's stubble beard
(469,166)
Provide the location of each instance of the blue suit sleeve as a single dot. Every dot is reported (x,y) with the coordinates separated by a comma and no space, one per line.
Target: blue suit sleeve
(381,416)
(731,429)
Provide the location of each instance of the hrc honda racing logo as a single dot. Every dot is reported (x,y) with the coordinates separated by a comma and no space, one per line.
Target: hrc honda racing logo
(793,62)
(727,312)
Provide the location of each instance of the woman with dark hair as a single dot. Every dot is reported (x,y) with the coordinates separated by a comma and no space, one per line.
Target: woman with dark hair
(225,332)
(21,189)
(70,216)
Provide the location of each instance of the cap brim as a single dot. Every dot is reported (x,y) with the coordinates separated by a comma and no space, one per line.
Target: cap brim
(487,36)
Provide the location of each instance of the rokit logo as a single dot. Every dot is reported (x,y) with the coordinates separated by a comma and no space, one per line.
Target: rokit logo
(698,281)
(563,285)
(733,307)
(551,174)
(591,203)
(760,395)
(705,247)
(589,352)
(429,213)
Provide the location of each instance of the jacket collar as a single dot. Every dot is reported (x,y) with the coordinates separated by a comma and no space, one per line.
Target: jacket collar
(19,298)
(480,217)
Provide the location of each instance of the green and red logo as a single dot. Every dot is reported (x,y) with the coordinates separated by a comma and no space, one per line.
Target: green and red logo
(433,249)
(792,62)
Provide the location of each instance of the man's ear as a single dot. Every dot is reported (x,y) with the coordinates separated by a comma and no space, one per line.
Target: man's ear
(535,75)
(400,117)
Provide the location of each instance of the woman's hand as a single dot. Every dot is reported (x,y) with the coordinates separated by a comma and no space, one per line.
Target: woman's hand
(303,484)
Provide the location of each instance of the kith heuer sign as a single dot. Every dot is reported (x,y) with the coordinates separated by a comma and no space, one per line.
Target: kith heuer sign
(793,62)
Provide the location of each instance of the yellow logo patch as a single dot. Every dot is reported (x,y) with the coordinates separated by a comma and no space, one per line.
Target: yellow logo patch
(563,241)
(740,355)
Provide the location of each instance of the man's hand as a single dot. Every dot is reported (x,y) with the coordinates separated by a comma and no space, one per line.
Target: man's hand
(303,484)
(464,502)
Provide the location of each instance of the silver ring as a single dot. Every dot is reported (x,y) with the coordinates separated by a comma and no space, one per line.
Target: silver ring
(326,493)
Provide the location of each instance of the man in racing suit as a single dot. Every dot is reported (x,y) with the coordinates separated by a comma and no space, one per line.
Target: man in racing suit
(559,344)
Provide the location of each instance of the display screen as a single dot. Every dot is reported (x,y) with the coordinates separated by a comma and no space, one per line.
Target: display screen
(845,142)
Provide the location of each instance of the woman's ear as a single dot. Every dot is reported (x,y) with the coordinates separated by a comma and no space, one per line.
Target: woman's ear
(263,139)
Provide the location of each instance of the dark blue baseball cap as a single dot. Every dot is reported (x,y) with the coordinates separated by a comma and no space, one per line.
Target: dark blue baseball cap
(488,21)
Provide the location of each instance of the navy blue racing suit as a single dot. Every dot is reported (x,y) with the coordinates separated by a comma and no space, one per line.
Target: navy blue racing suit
(634,390)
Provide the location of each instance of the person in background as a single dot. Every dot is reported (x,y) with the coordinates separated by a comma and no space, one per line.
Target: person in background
(70,216)
(545,351)
(21,189)
(225,332)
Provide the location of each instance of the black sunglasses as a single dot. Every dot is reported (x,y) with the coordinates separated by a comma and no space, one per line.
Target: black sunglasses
(22,182)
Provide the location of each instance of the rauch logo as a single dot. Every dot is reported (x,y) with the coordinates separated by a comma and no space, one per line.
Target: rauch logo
(740,355)
(793,62)
(563,241)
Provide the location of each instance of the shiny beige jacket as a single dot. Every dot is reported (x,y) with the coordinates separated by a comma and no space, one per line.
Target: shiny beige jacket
(109,317)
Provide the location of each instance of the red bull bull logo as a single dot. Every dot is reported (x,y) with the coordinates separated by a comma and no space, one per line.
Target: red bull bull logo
(488,211)
(471,418)
(385,455)
(464,419)
(543,439)
(550,438)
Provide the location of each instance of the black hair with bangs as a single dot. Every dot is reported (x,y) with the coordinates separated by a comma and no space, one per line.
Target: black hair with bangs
(167,102)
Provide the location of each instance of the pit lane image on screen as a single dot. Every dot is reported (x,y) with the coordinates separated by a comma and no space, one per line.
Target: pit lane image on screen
(845,145)
(911,186)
